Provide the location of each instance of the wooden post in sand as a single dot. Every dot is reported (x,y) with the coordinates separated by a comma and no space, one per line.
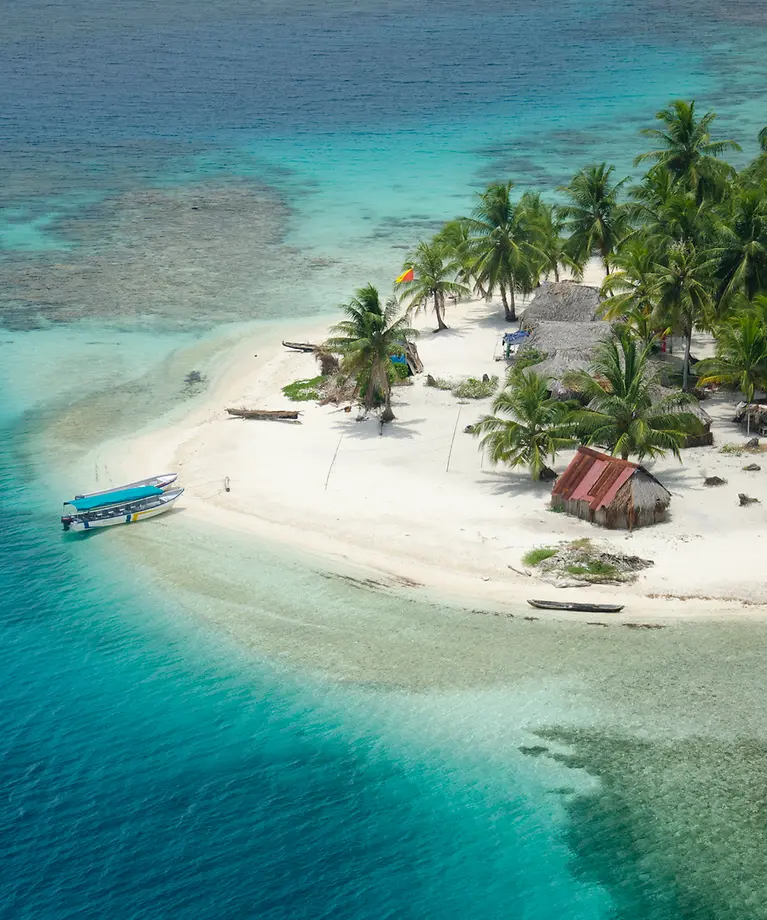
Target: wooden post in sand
(450,452)
(327,478)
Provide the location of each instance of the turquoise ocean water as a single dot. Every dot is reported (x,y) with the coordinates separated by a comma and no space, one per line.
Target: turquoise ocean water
(169,170)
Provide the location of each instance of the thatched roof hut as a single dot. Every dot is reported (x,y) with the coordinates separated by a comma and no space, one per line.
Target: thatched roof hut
(563,302)
(563,323)
(605,490)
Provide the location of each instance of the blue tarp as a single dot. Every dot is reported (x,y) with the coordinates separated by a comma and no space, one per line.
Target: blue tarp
(513,338)
(113,498)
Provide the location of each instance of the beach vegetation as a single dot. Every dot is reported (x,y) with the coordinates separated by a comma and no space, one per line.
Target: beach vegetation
(551,242)
(536,556)
(528,357)
(305,390)
(594,216)
(436,272)
(625,410)
(502,244)
(587,561)
(371,334)
(527,428)
(741,355)
(687,151)
(476,388)
(682,287)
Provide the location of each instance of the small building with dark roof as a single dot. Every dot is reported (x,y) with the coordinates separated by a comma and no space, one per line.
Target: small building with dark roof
(606,490)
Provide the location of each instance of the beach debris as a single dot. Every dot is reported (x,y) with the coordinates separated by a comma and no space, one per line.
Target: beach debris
(746,499)
(714,481)
(328,362)
(751,468)
(469,429)
(277,415)
(519,571)
(752,444)
(596,623)
(643,625)
(227,487)
(582,562)
(531,619)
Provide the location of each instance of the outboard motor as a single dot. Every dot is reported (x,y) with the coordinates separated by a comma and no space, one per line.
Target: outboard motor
(67,521)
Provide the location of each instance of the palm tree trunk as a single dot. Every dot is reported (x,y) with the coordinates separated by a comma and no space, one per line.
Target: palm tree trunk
(686,363)
(513,316)
(507,314)
(556,272)
(438,309)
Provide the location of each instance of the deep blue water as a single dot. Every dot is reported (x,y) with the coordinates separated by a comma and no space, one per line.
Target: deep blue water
(173,166)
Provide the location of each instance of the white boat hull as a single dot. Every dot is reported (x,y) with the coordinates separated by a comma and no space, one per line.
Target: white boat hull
(92,521)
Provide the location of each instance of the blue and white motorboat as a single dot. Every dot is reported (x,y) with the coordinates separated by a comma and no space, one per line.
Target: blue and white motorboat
(124,505)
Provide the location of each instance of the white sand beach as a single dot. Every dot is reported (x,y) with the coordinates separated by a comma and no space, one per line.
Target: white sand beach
(416,502)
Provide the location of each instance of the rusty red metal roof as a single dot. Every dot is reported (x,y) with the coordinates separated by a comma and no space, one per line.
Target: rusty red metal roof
(594,477)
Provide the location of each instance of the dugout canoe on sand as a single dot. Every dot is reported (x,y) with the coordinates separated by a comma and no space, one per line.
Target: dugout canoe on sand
(275,415)
(581,608)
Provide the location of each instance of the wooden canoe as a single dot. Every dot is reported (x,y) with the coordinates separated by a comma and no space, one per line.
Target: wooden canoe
(300,346)
(581,608)
(277,415)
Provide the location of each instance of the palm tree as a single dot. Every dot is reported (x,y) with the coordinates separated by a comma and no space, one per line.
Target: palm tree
(742,246)
(548,226)
(533,430)
(629,286)
(595,219)
(687,150)
(502,242)
(367,340)
(682,288)
(681,219)
(456,239)
(435,272)
(741,355)
(626,412)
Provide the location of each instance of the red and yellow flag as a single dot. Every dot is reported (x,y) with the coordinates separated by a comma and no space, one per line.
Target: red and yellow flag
(405,276)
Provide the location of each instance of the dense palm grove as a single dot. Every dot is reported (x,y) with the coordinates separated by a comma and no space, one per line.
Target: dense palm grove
(684,247)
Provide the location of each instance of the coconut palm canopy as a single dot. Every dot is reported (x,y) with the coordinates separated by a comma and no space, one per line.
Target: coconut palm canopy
(528,427)
(502,240)
(687,150)
(436,272)
(626,412)
(367,340)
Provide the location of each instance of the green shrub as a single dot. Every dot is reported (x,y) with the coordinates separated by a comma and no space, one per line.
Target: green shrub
(528,357)
(474,388)
(536,556)
(304,390)
(594,567)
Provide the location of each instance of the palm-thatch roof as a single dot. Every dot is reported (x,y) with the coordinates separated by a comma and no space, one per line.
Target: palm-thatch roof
(563,323)
(563,302)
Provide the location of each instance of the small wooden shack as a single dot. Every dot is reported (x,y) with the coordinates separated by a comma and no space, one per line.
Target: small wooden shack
(611,492)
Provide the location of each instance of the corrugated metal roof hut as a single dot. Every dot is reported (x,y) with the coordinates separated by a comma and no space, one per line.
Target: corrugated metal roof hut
(605,490)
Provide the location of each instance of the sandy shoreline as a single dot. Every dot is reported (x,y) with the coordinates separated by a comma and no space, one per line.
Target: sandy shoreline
(418,507)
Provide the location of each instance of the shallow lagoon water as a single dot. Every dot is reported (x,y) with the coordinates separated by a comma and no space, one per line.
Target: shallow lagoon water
(181,741)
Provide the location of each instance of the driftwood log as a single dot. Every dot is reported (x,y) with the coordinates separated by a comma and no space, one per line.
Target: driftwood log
(301,346)
(277,415)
